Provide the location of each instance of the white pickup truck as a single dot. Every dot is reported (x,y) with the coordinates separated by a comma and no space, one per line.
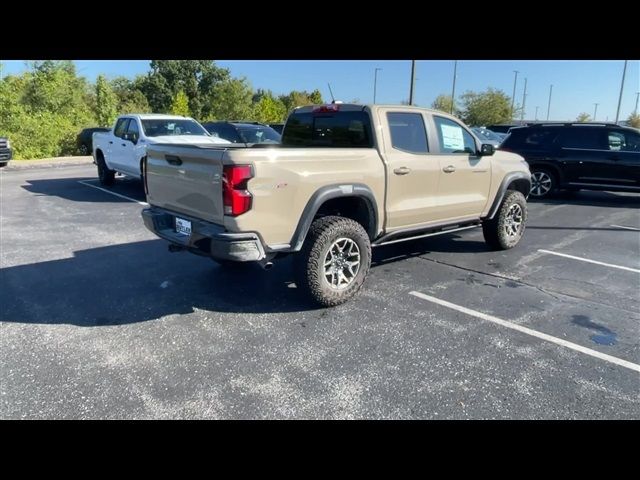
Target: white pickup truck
(124,147)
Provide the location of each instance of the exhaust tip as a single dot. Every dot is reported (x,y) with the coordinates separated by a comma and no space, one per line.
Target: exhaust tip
(267,265)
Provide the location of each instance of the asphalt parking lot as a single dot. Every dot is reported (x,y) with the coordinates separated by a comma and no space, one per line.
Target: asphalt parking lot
(99,320)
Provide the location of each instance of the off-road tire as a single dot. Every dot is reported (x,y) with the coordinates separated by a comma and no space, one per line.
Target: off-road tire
(309,268)
(106,176)
(496,230)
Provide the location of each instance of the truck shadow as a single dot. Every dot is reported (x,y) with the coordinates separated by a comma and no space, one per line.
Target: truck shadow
(80,189)
(141,281)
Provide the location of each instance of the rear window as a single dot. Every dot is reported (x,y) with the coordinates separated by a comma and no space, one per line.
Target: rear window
(530,138)
(333,130)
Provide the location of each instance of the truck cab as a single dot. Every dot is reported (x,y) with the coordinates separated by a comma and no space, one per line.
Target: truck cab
(123,148)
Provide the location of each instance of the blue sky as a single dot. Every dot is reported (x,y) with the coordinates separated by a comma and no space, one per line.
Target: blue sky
(577,85)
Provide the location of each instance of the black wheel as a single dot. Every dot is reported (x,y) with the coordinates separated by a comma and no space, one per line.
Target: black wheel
(543,182)
(505,230)
(106,176)
(84,149)
(334,260)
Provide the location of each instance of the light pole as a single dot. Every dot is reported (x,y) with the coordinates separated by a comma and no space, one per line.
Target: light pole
(413,81)
(375,83)
(549,105)
(624,72)
(635,110)
(524,99)
(453,90)
(537,112)
(513,97)
(595,111)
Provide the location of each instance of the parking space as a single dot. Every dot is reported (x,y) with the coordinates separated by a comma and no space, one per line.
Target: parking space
(99,320)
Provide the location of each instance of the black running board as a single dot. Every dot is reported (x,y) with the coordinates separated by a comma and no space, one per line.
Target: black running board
(381,241)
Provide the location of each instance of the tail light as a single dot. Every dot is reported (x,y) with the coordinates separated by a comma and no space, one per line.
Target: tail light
(144,176)
(236,198)
(326,108)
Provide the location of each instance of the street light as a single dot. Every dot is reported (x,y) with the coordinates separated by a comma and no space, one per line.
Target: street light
(413,81)
(524,98)
(624,72)
(537,112)
(595,111)
(635,110)
(513,97)
(453,90)
(549,105)
(375,82)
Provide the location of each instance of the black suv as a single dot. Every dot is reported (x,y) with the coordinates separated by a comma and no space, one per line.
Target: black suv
(85,139)
(578,156)
(5,151)
(243,132)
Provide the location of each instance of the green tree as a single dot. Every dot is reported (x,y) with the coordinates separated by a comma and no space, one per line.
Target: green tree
(297,98)
(634,120)
(196,78)
(106,102)
(443,103)
(130,97)
(231,99)
(180,104)
(485,108)
(269,109)
(583,117)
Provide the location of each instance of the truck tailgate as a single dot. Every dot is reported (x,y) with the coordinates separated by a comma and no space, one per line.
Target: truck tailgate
(186,179)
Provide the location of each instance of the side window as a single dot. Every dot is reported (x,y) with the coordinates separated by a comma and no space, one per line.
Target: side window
(623,141)
(133,128)
(453,138)
(121,127)
(408,132)
(588,138)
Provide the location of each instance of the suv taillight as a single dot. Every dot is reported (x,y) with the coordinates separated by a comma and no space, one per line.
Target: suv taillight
(236,198)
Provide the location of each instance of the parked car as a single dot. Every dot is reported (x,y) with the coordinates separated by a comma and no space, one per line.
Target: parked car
(243,132)
(578,156)
(278,127)
(502,128)
(85,139)
(124,148)
(345,178)
(5,151)
(487,136)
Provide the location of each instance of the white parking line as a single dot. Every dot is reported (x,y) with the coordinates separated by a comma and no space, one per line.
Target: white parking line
(590,261)
(626,228)
(529,331)
(113,193)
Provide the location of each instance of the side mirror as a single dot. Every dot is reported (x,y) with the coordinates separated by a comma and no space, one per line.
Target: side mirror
(487,149)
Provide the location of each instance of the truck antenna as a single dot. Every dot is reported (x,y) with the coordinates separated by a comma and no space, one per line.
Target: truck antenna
(333,100)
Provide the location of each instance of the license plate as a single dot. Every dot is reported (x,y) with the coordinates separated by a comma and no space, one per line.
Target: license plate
(183,226)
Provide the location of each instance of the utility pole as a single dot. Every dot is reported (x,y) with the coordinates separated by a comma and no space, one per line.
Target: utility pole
(537,112)
(375,83)
(524,99)
(635,110)
(624,72)
(549,106)
(513,97)
(595,111)
(413,81)
(453,90)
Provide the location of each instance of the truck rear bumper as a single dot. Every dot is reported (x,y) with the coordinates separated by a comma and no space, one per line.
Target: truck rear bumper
(206,238)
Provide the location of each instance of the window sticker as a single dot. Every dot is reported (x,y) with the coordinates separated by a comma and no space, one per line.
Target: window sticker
(452,137)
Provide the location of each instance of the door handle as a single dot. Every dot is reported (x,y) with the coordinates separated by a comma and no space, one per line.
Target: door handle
(124,144)
(110,142)
(449,169)
(402,170)
(173,160)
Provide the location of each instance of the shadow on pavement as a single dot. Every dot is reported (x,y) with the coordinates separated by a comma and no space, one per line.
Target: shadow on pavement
(136,282)
(592,199)
(72,189)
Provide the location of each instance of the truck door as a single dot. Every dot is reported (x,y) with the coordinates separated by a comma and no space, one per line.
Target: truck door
(465,177)
(412,172)
(115,146)
(132,150)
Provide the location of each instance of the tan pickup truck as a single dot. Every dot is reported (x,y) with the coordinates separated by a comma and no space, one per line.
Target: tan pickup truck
(346,178)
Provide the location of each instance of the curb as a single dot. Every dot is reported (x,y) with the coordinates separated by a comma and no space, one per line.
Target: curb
(48,163)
